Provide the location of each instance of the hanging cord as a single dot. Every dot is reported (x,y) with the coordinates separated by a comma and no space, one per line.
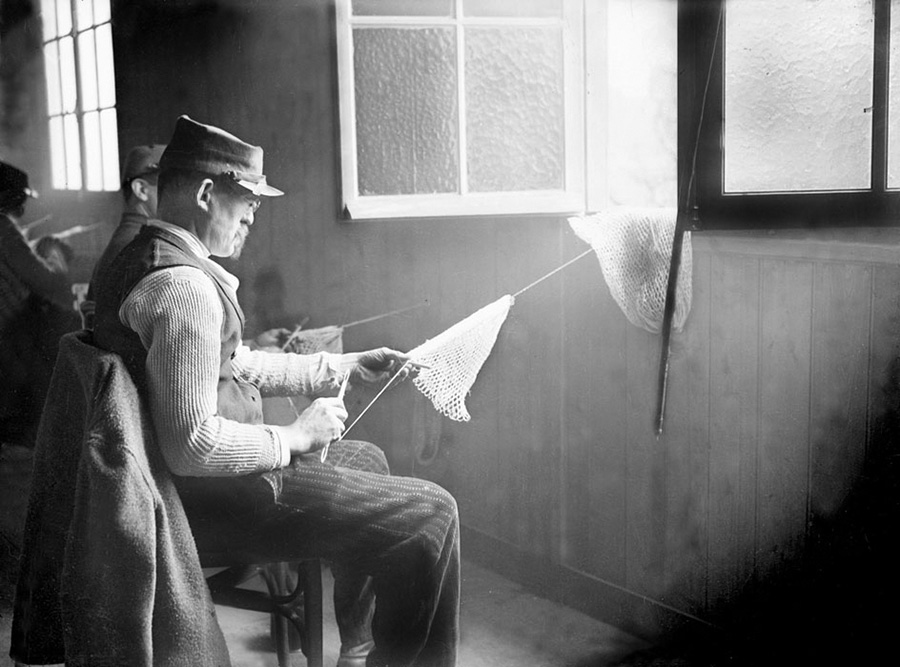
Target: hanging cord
(677,242)
(383,315)
(299,327)
(557,269)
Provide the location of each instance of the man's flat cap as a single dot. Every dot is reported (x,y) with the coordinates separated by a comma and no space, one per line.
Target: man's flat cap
(214,151)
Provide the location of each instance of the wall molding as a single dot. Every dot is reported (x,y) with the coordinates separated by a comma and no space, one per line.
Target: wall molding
(866,246)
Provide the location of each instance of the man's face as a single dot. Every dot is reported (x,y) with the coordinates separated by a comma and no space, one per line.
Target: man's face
(231,212)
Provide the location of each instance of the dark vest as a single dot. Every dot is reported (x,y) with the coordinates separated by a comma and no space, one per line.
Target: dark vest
(155,248)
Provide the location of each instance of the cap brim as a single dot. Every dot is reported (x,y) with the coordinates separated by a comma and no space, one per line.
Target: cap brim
(261,188)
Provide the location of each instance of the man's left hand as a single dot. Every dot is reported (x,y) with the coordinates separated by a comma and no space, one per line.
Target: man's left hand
(379,364)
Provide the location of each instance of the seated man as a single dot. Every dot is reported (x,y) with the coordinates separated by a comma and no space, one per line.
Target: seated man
(139,191)
(248,487)
(35,309)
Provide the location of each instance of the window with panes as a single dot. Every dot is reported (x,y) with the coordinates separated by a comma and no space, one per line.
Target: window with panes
(81,95)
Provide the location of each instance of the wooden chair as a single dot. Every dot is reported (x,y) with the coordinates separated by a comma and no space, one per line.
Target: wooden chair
(293,601)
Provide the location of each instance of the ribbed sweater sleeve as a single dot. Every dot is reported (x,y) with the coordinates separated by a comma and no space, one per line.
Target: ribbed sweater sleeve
(288,374)
(178,315)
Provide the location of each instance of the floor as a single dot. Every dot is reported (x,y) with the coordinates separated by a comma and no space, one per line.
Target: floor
(503,625)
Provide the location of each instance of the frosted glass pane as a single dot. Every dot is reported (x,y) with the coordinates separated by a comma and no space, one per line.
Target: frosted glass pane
(402,7)
(893,131)
(67,73)
(515,110)
(93,160)
(109,143)
(87,67)
(642,103)
(63,17)
(798,82)
(101,11)
(48,19)
(73,152)
(106,78)
(51,69)
(406,110)
(517,8)
(58,152)
(84,14)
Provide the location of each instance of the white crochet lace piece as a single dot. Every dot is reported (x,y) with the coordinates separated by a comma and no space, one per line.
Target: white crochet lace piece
(310,341)
(455,356)
(634,246)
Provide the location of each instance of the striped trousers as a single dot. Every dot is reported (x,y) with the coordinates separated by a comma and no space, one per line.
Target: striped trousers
(393,537)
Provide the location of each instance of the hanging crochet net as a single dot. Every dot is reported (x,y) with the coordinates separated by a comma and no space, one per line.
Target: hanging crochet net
(455,356)
(634,246)
(310,341)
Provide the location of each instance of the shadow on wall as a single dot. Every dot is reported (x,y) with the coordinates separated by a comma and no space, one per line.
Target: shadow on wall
(836,604)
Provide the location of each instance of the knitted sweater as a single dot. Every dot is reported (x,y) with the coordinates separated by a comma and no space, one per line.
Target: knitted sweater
(178,315)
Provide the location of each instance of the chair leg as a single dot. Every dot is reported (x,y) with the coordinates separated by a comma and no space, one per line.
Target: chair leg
(291,629)
(310,572)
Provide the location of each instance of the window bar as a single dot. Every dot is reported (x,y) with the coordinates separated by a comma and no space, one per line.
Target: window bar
(461,101)
(79,107)
(880,83)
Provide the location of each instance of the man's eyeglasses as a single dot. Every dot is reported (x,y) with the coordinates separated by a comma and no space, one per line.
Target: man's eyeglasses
(253,200)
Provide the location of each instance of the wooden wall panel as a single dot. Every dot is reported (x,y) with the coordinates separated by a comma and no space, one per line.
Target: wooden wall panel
(645,472)
(685,443)
(784,376)
(884,373)
(734,413)
(840,377)
(530,376)
(595,334)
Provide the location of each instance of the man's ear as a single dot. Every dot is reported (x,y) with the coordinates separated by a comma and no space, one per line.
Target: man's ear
(204,194)
(139,189)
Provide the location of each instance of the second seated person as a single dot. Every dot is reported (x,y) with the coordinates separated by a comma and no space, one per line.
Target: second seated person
(252,488)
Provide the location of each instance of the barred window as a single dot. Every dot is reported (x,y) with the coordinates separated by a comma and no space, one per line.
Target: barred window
(81,94)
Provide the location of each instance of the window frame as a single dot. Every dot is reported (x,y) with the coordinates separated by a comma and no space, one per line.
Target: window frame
(701,192)
(569,199)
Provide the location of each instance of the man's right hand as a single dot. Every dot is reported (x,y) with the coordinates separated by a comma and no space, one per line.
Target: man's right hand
(321,423)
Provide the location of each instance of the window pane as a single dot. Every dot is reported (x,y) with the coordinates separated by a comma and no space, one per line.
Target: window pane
(893,149)
(101,11)
(109,133)
(67,72)
(84,15)
(402,7)
(642,103)
(88,69)
(406,110)
(93,160)
(63,17)
(515,111)
(58,152)
(48,19)
(798,81)
(106,78)
(51,66)
(73,152)
(518,8)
